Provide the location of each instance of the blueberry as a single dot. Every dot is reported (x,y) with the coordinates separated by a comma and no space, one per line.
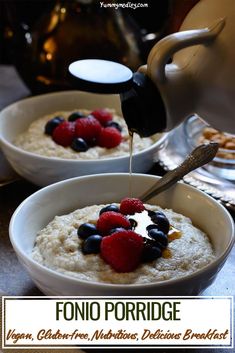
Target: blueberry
(159,237)
(108,208)
(52,124)
(115,230)
(113,124)
(151,252)
(133,223)
(87,229)
(91,245)
(79,145)
(151,226)
(151,213)
(162,223)
(76,115)
(155,213)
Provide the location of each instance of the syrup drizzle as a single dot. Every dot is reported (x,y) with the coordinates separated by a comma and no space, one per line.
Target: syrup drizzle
(174,234)
(166,253)
(131,134)
(142,219)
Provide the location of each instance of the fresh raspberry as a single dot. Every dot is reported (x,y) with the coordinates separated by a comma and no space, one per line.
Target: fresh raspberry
(64,133)
(131,205)
(109,220)
(109,137)
(87,128)
(122,250)
(102,115)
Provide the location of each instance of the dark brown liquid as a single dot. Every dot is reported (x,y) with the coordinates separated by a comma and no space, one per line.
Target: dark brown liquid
(166,254)
(131,133)
(174,234)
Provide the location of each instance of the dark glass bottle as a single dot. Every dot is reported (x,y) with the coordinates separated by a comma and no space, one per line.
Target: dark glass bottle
(72,30)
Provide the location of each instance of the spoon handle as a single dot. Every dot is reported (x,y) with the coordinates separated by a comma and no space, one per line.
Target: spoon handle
(198,157)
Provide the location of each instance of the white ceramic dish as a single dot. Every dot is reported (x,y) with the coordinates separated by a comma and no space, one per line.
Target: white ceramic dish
(63,197)
(46,170)
(221,166)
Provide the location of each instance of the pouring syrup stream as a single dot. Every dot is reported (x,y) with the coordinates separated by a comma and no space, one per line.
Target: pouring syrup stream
(131,134)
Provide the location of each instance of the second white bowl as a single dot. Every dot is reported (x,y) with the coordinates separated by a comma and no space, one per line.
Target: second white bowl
(41,170)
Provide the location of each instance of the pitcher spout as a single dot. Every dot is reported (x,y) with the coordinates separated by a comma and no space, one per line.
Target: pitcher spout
(143,107)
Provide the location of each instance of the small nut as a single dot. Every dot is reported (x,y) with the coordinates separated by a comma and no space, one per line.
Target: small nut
(225,141)
(219,138)
(208,132)
(230,145)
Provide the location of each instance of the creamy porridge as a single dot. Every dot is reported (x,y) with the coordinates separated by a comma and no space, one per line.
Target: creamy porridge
(58,247)
(36,141)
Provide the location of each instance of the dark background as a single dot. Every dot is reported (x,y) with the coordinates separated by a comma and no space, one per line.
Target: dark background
(161,15)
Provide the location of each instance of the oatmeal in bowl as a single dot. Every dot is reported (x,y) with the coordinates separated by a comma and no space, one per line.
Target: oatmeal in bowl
(126,243)
(81,134)
(91,240)
(91,137)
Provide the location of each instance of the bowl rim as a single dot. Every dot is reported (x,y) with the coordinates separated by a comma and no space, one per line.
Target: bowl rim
(18,150)
(192,143)
(219,259)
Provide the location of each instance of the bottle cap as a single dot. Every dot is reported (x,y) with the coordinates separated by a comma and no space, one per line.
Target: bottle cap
(100,76)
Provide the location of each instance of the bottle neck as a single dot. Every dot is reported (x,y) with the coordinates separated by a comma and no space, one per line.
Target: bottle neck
(143,108)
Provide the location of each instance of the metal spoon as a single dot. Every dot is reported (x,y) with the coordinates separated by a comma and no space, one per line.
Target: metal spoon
(198,157)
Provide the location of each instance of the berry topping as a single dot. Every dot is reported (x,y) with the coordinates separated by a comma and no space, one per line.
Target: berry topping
(109,137)
(125,241)
(109,220)
(108,208)
(87,128)
(151,226)
(159,237)
(114,124)
(93,142)
(162,222)
(122,250)
(102,115)
(130,206)
(91,245)
(133,223)
(155,213)
(79,145)
(52,124)
(116,230)
(151,252)
(64,133)
(76,115)
(87,229)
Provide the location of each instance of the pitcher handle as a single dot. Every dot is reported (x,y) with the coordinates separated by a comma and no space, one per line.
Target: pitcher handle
(165,48)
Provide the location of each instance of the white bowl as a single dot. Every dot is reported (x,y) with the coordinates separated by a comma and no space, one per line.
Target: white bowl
(41,170)
(63,197)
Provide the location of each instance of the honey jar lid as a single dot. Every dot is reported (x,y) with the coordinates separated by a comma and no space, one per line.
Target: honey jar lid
(100,76)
